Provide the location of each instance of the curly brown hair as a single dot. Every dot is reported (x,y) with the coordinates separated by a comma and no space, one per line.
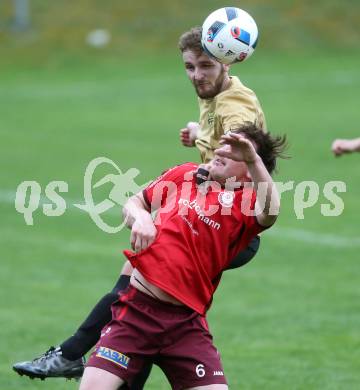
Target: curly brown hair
(191,40)
(268,147)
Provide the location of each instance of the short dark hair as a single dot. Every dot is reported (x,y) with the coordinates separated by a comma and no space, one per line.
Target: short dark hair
(191,40)
(268,147)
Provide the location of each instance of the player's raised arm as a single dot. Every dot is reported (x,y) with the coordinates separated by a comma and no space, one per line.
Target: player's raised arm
(239,148)
(138,218)
(341,146)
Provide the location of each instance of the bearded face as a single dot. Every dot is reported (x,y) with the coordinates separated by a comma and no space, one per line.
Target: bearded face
(208,76)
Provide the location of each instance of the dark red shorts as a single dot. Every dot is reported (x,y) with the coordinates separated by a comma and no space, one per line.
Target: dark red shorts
(175,338)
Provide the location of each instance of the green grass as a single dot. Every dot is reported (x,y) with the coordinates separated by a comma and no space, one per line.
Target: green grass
(290,319)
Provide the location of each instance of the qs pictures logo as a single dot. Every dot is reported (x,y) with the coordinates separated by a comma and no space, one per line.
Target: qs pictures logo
(122,185)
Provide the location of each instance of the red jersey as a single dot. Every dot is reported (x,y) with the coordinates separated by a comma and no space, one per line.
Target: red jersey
(199,232)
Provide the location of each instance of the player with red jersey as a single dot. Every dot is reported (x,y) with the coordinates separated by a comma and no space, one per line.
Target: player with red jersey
(178,259)
(206,229)
(224,103)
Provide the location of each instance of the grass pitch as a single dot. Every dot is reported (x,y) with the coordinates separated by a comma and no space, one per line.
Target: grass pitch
(288,320)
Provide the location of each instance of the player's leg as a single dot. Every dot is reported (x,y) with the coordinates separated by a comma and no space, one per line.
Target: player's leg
(128,342)
(66,360)
(141,378)
(96,378)
(89,331)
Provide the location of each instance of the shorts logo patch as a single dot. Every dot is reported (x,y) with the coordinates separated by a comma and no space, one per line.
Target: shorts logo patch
(113,356)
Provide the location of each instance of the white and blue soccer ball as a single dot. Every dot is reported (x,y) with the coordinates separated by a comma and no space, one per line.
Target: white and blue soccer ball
(229,35)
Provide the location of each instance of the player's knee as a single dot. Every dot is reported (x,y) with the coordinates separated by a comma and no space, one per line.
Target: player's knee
(88,380)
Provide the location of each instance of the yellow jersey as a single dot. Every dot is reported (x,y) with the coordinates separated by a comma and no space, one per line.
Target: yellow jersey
(226,111)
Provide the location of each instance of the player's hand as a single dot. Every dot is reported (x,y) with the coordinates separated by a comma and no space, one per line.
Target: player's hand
(237,147)
(341,146)
(143,232)
(188,134)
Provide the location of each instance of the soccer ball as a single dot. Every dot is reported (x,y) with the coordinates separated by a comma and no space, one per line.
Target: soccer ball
(229,35)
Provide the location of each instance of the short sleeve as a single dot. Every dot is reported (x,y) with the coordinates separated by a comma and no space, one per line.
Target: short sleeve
(235,110)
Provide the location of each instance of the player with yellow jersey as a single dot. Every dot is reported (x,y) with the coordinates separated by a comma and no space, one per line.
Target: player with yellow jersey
(225,103)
